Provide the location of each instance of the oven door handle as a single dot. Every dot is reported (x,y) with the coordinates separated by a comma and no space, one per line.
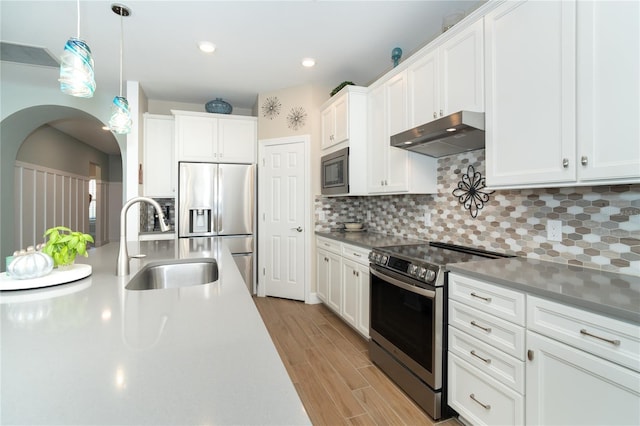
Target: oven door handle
(413,289)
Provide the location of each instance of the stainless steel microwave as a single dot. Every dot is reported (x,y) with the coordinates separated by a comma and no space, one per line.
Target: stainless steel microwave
(335,172)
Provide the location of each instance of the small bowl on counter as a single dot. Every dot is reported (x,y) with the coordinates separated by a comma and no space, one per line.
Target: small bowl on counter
(353,226)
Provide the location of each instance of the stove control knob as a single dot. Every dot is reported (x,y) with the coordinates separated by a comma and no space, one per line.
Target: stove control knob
(372,256)
(421,272)
(431,275)
(413,270)
(384,259)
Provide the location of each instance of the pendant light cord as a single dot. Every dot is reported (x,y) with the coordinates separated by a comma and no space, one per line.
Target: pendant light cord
(121,50)
(78,20)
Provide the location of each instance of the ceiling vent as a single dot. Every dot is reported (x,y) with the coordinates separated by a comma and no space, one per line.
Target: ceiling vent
(29,55)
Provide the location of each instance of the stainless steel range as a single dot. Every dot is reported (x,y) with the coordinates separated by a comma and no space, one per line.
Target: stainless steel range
(408,316)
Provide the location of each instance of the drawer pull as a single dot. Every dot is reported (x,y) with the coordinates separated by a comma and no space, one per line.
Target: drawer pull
(357,255)
(615,342)
(486,299)
(487,360)
(485,406)
(475,324)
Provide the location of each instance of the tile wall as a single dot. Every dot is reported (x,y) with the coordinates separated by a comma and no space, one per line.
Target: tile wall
(600,224)
(148,220)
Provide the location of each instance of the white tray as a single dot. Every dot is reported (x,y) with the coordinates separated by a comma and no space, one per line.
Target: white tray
(57,276)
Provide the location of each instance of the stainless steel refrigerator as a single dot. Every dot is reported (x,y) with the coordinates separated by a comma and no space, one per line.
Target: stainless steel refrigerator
(218,200)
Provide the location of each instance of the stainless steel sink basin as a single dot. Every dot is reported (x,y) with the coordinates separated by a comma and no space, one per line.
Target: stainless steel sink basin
(174,274)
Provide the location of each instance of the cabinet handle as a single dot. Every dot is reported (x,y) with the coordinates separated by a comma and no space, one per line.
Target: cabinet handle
(435,114)
(487,360)
(385,182)
(441,114)
(565,163)
(485,406)
(584,160)
(357,273)
(486,299)
(475,324)
(530,355)
(614,342)
(357,255)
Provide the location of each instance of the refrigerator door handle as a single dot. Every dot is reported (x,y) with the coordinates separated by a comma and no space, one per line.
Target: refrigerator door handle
(220,203)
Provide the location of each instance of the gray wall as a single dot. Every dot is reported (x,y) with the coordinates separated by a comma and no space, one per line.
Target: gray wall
(49,147)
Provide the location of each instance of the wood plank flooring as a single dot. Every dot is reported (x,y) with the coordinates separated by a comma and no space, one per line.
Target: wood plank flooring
(329,365)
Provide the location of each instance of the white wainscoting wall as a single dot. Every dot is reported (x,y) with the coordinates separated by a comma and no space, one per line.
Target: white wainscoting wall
(45,198)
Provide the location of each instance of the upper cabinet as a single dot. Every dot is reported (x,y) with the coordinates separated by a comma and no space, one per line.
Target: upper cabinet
(215,137)
(394,170)
(158,156)
(448,78)
(335,120)
(608,82)
(548,121)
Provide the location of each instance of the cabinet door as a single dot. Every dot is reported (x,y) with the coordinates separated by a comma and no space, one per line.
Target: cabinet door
(341,108)
(397,119)
(196,138)
(530,95)
(237,140)
(328,127)
(335,282)
(158,165)
(608,89)
(566,386)
(322,274)
(350,281)
(362,319)
(462,71)
(424,96)
(376,151)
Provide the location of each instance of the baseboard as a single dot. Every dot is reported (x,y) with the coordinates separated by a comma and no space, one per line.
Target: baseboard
(312,299)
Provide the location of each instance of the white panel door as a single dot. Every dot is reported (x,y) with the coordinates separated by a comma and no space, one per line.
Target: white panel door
(283,220)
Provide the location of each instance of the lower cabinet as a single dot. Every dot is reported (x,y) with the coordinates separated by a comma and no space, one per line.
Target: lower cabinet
(343,281)
(574,367)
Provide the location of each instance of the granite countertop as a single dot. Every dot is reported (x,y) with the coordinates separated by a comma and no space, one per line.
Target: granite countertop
(368,239)
(611,294)
(92,352)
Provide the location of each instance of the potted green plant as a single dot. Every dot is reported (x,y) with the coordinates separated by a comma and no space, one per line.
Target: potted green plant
(63,245)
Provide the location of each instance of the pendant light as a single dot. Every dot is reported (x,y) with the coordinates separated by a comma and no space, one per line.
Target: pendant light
(76,66)
(120,121)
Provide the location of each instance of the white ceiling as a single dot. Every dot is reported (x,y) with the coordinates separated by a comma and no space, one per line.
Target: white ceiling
(260,44)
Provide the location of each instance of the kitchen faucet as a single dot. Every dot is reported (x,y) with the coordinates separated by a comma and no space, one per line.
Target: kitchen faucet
(122,267)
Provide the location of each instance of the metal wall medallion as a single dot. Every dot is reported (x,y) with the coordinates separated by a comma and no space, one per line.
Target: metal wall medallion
(271,107)
(471,191)
(297,118)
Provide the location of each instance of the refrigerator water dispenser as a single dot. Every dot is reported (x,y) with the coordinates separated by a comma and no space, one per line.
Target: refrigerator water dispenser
(199,221)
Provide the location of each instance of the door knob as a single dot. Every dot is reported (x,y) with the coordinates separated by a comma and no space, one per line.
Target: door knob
(299,229)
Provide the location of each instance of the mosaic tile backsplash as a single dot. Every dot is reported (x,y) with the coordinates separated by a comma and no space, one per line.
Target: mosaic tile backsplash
(600,224)
(149,219)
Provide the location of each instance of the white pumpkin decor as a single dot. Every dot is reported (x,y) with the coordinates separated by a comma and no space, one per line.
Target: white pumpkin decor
(29,264)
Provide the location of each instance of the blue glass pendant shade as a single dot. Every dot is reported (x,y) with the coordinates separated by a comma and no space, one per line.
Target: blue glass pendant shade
(120,121)
(76,69)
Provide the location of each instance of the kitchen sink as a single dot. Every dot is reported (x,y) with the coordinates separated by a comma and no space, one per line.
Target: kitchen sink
(174,274)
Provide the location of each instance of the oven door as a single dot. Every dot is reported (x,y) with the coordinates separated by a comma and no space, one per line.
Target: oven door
(407,322)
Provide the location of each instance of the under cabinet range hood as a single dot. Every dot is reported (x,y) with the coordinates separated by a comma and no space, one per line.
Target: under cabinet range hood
(453,134)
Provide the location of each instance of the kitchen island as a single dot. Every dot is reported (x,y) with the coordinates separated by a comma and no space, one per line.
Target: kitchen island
(92,352)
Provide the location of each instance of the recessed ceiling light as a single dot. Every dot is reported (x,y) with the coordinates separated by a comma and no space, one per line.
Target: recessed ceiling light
(207,46)
(308,62)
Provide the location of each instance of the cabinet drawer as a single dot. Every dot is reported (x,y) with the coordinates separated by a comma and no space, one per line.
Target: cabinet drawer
(499,301)
(329,245)
(502,367)
(480,399)
(501,334)
(611,339)
(355,253)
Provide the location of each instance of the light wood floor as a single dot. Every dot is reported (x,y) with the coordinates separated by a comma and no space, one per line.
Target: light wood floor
(329,365)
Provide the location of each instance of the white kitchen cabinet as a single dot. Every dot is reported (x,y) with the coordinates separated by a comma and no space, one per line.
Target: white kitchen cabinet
(567,386)
(215,137)
(343,281)
(389,169)
(486,350)
(562,101)
(449,78)
(530,93)
(158,164)
(608,107)
(335,120)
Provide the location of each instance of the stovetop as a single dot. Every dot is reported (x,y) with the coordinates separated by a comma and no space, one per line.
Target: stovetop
(427,262)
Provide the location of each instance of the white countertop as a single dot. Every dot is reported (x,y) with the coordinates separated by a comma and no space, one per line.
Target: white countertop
(91,352)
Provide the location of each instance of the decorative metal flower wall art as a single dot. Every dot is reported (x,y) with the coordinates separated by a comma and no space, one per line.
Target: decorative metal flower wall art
(271,107)
(297,118)
(470,191)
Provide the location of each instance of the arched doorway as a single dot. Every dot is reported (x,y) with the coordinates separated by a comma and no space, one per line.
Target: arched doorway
(25,125)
